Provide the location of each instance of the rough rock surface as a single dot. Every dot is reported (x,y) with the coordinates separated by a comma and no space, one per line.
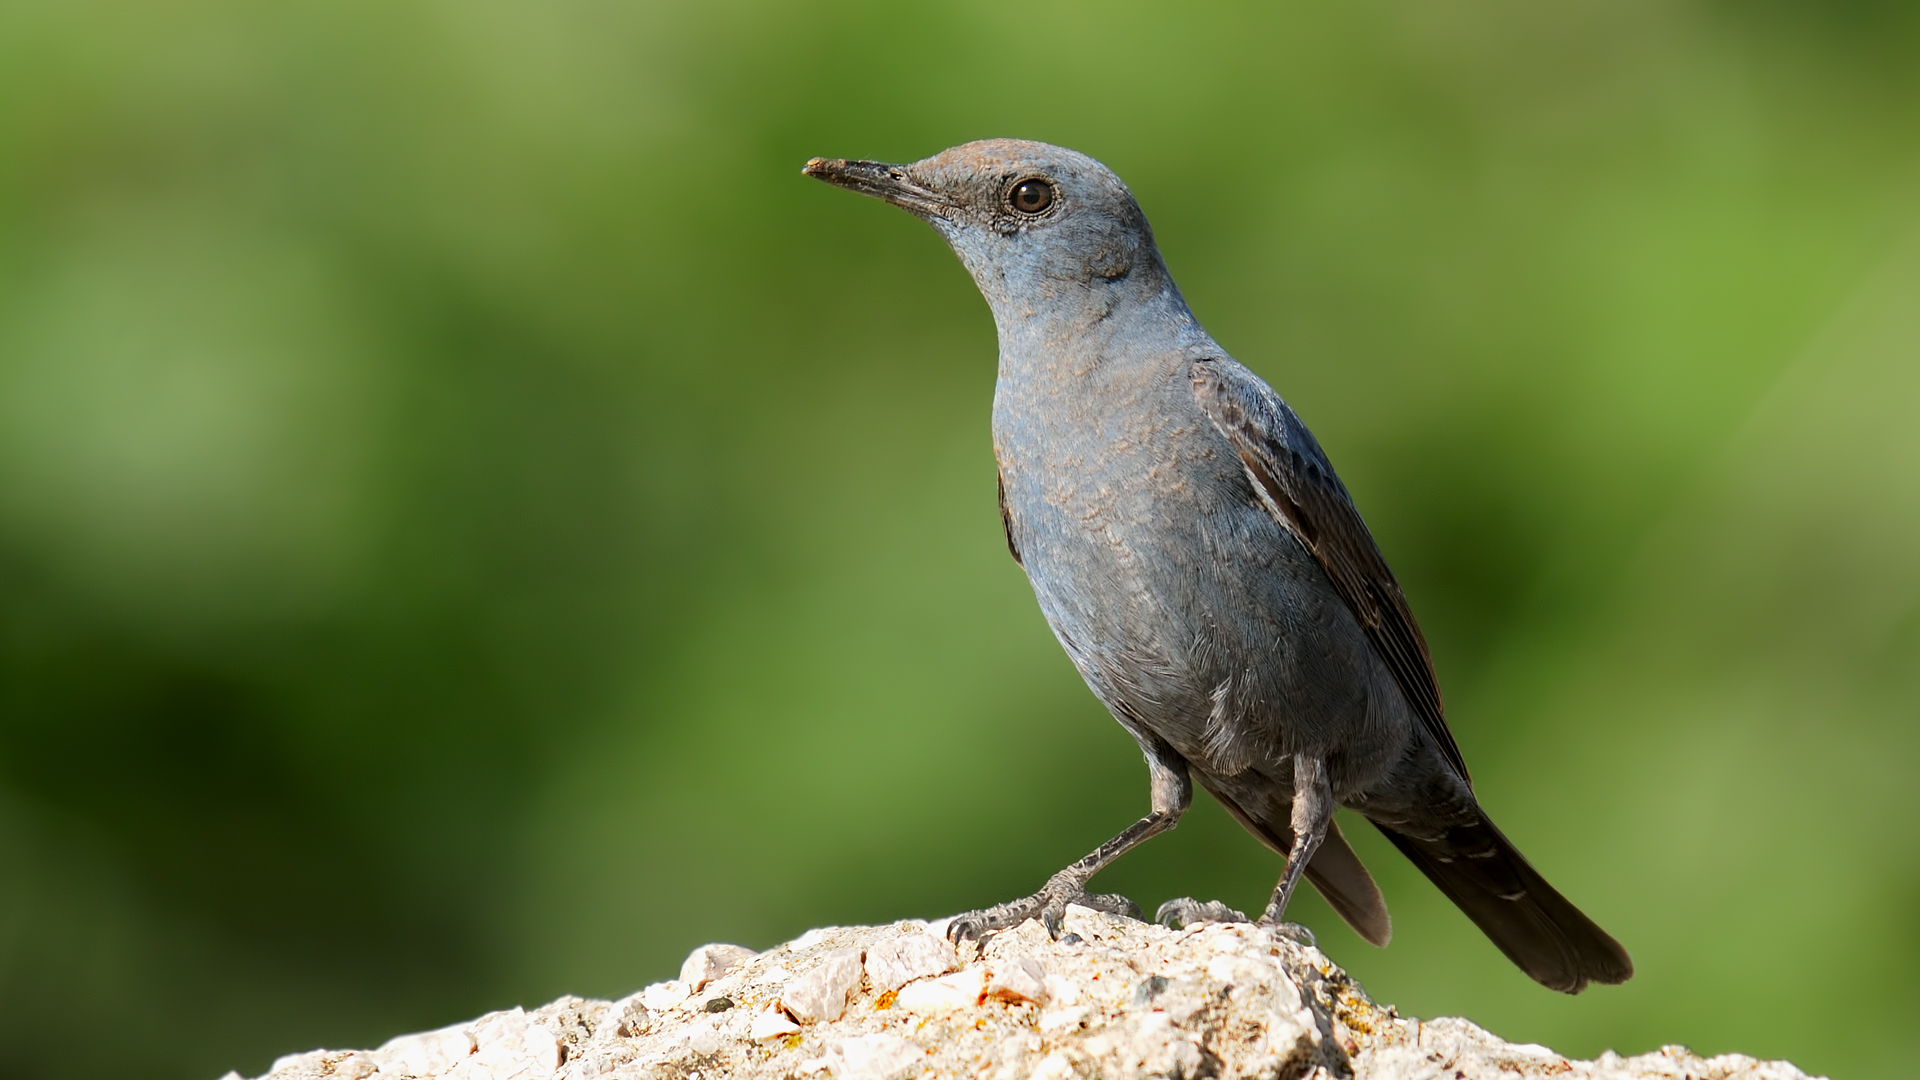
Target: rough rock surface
(1114,998)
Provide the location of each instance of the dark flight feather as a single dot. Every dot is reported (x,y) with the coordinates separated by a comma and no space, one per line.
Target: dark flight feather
(1297,483)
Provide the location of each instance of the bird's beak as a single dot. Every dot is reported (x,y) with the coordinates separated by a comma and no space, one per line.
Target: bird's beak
(880,180)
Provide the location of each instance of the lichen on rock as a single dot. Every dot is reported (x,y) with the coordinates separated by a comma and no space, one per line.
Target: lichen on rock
(1112,998)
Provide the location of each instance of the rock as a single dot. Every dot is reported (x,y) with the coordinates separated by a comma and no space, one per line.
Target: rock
(430,1053)
(874,1057)
(897,961)
(772,1023)
(1114,998)
(630,1017)
(1054,1066)
(709,962)
(821,994)
(509,1046)
(704,1040)
(662,996)
(331,1064)
(961,990)
(1018,979)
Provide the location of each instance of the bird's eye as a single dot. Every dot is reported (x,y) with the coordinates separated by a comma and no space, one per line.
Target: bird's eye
(1031,196)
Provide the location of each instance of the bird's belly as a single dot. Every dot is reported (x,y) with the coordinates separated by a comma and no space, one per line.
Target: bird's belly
(1200,618)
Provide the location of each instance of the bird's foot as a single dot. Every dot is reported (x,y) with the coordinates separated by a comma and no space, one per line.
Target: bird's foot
(1049,905)
(1187,911)
(1292,931)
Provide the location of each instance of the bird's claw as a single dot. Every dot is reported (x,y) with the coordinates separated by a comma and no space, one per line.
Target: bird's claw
(1186,911)
(1049,905)
(1292,931)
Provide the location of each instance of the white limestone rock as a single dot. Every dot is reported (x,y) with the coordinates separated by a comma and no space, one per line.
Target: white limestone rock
(662,996)
(821,994)
(771,1023)
(874,1057)
(430,1053)
(509,1045)
(343,1064)
(1020,979)
(897,961)
(629,1016)
(709,962)
(1119,999)
(931,997)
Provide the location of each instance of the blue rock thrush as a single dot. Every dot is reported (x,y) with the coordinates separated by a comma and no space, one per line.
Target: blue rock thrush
(1205,569)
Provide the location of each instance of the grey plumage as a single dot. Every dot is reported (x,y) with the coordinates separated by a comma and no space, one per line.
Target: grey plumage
(1204,568)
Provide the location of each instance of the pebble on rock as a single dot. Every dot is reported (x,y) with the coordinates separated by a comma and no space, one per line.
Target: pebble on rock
(874,1057)
(1054,1066)
(895,962)
(704,1040)
(344,1065)
(931,997)
(1019,979)
(629,1017)
(429,1053)
(662,996)
(1070,1019)
(771,1023)
(510,1045)
(709,962)
(821,994)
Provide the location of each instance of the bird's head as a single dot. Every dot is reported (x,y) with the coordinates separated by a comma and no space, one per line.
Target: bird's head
(1029,220)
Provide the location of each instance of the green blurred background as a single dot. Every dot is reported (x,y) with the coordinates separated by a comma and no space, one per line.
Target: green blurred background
(476,523)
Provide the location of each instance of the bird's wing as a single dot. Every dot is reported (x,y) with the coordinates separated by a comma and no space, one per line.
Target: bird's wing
(1295,481)
(1006,520)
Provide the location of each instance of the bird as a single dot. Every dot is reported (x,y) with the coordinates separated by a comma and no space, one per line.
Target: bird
(1207,572)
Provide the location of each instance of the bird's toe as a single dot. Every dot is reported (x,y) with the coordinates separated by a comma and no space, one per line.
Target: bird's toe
(1049,905)
(1053,913)
(1111,903)
(1293,932)
(975,926)
(1186,911)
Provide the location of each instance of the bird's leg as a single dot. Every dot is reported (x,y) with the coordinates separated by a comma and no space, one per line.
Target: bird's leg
(1312,812)
(1312,817)
(1172,793)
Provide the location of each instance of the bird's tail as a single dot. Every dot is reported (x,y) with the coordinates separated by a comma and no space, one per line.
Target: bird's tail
(1342,880)
(1539,930)
(1336,872)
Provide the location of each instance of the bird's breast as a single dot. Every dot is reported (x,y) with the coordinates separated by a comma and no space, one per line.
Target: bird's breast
(1119,470)
(1175,591)
(1127,508)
